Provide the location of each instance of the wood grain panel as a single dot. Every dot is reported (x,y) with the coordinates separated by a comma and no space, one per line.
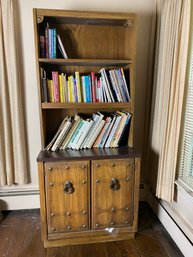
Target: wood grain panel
(67,211)
(112,208)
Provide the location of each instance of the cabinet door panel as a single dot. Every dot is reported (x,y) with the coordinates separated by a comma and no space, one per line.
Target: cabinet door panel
(112,193)
(67,193)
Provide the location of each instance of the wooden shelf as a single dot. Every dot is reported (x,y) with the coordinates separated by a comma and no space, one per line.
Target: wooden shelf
(86,62)
(88,154)
(117,105)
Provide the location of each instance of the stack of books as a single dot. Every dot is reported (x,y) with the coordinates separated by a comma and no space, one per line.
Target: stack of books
(87,131)
(105,86)
(50,41)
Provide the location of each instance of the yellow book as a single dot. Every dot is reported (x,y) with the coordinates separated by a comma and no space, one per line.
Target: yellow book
(77,76)
(51,90)
(61,88)
(70,95)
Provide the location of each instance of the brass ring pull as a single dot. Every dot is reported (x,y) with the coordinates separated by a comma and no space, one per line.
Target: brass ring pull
(114,185)
(68,187)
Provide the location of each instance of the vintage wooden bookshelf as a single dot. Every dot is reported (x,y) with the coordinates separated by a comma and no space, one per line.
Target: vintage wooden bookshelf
(102,204)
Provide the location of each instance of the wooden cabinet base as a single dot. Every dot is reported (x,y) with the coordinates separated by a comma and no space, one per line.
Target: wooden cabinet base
(88,200)
(87,239)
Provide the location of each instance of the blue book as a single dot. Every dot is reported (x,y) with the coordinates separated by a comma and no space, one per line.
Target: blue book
(54,43)
(88,88)
(50,43)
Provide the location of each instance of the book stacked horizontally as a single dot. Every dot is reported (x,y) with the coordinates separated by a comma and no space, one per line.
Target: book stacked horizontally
(85,131)
(104,86)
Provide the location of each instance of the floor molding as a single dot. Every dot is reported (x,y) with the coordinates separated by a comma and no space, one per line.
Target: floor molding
(175,232)
(23,199)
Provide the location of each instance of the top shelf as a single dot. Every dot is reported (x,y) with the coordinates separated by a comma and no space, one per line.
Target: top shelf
(86,62)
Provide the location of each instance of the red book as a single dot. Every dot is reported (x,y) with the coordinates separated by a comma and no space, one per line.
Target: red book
(56,86)
(93,87)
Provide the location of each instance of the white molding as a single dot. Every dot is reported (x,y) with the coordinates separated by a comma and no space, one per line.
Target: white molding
(20,199)
(172,228)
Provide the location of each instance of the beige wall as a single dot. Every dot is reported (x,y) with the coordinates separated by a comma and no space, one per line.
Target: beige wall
(143,8)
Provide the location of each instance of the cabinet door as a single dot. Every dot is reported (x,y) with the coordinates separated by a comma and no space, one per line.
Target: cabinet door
(67,196)
(112,193)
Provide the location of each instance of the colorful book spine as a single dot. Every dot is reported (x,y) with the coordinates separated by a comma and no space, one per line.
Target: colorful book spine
(88,89)
(50,43)
(50,90)
(61,88)
(54,43)
(56,86)
(46,41)
(93,86)
(78,85)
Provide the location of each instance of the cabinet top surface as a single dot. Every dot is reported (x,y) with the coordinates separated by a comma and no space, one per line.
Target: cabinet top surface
(85,17)
(88,154)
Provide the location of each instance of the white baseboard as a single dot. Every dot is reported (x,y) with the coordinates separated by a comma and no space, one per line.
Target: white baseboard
(175,232)
(25,199)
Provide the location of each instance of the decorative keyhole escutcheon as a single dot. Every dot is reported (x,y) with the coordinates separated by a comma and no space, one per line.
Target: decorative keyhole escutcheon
(68,187)
(114,184)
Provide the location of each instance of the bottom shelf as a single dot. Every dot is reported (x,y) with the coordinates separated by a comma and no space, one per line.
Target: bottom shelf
(88,154)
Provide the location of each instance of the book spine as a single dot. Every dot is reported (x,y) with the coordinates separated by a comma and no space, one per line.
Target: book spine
(71,144)
(95,133)
(54,42)
(83,89)
(46,41)
(50,42)
(125,84)
(88,89)
(56,86)
(61,136)
(112,131)
(50,90)
(93,86)
(42,46)
(61,88)
(77,76)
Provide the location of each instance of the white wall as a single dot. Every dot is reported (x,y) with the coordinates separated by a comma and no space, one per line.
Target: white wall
(143,8)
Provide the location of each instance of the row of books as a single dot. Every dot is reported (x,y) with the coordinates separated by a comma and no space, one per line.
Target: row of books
(105,86)
(50,43)
(86,131)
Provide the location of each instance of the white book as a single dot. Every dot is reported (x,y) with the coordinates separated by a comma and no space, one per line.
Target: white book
(114,85)
(63,51)
(105,87)
(61,136)
(84,134)
(79,134)
(108,85)
(95,133)
(71,133)
(123,130)
(103,141)
(48,147)
(118,119)
(119,128)
(99,139)
(125,84)
(80,124)
(93,129)
(95,119)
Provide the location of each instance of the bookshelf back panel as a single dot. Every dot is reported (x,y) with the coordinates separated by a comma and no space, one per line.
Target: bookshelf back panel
(95,41)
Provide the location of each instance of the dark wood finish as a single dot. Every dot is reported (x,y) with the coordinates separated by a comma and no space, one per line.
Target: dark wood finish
(88,154)
(20,236)
(42,187)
